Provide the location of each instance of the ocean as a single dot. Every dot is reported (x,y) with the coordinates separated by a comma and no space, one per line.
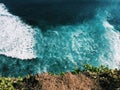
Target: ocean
(56,36)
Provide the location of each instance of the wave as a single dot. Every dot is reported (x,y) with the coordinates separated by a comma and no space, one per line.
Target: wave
(95,42)
(62,48)
(16,38)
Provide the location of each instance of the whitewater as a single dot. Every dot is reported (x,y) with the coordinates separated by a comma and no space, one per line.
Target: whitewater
(30,50)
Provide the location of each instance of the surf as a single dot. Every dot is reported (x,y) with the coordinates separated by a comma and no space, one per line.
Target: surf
(62,48)
(16,38)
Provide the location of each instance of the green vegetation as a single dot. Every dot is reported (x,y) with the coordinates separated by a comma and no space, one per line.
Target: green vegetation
(76,71)
(98,70)
(108,79)
(8,83)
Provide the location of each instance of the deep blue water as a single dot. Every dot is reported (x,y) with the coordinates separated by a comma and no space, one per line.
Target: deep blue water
(57,36)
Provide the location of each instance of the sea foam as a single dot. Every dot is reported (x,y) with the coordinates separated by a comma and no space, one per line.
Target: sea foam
(16,38)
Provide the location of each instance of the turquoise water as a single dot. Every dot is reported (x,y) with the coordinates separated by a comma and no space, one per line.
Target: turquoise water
(27,48)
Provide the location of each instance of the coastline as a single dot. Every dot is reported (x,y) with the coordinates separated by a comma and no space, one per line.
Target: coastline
(91,78)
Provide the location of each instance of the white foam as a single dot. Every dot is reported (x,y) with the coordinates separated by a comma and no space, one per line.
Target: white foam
(107,25)
(16,38)
(113,37)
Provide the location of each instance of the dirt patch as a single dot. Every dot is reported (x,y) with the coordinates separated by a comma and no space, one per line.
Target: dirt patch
(71,81)
(67,81)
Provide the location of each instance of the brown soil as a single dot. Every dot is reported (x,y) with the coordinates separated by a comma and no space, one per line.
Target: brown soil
(67,81)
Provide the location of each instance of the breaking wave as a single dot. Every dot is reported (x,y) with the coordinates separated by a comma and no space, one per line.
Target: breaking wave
(63,48)
(16,38)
